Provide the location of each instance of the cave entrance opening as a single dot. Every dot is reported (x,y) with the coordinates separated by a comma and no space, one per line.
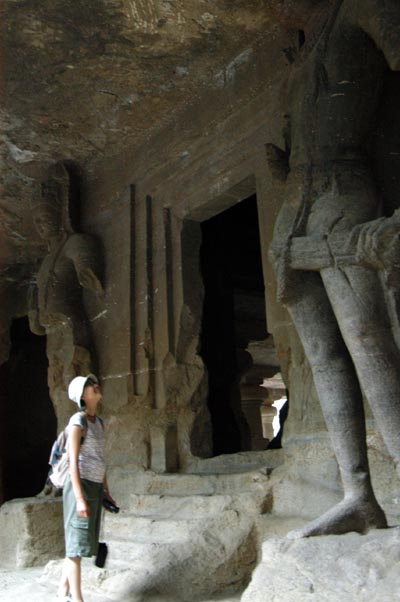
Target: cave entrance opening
(238,351)
(27,414)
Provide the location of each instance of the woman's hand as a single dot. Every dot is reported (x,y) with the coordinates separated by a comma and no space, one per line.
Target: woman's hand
(82,508)
(107,496)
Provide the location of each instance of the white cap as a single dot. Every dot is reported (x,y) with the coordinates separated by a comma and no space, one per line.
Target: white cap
(76,386)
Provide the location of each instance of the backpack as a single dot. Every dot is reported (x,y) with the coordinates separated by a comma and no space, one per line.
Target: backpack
(59,460)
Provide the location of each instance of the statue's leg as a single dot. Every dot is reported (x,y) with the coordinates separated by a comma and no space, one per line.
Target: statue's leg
(341,402)
(357,299)
(82,361)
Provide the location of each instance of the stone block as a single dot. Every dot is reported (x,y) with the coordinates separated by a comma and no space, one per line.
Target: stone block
(31,532)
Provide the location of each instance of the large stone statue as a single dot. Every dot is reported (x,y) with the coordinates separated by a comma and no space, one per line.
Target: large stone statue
(339,309)
(56,305)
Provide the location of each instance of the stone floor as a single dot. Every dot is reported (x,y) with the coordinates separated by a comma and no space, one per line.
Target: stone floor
(28,585)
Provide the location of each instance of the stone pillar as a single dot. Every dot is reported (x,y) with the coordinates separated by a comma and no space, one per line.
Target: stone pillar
(275,390)
(163,442)
(256,397)
(175,282)
(158,297)
(251,407)
(139,292)
(268,413)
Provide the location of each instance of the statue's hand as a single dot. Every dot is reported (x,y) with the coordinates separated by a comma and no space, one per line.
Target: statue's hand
(34,324)
(379,242)
(276,251)
(33,311)
(88,279)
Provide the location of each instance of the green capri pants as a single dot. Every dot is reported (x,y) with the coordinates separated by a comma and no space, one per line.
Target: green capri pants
(82,534)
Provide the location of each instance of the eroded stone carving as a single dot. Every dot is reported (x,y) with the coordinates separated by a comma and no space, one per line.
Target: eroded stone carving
(330,223)
(56,309)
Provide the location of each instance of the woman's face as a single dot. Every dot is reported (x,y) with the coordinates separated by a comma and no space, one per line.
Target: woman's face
(91,393)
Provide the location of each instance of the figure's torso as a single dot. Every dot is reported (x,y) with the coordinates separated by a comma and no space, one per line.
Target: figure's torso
(58,286)
(334,90)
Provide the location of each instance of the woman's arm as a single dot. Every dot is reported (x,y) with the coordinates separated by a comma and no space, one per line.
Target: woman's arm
(75,436)
(106,493)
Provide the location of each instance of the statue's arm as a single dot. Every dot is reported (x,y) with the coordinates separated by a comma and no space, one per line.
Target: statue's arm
(33,311)
(379,242)
(85,253)
(380,19)
(375,244)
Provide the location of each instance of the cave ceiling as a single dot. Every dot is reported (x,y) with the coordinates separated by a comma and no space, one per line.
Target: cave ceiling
(85,79)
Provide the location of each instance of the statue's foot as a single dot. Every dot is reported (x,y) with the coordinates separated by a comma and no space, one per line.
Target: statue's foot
(348,515)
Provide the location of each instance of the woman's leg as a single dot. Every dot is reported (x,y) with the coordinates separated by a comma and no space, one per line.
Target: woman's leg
(73,571)
(340,396)
(63,588)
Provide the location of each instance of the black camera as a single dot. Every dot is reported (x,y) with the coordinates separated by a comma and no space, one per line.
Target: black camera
(110,506)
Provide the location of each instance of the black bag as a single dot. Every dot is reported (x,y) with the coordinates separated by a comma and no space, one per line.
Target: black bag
(101,555)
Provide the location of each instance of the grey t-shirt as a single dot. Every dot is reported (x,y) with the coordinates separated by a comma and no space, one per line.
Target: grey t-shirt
(91,459)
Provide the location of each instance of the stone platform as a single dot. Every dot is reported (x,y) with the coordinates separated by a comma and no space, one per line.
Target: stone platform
(345,568)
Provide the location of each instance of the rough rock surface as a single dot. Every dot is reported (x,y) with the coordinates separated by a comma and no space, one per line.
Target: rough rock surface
(84,81)
(32,584)
(349,568)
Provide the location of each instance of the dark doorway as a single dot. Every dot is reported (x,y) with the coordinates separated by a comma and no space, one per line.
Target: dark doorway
(27,414)
(233,314)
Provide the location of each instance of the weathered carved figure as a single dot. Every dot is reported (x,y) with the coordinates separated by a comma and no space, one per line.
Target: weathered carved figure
(339,309)
(56,305)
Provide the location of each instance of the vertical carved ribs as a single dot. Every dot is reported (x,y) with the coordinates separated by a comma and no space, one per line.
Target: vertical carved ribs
(157,293)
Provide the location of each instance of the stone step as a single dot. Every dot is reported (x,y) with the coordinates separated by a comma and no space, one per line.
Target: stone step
(128,533)
(178,484)
(166,568)
(185,507)
(126,553)
(205,557)
(147,529)
(237,463)
(131,529)
(183,485)
(123,557)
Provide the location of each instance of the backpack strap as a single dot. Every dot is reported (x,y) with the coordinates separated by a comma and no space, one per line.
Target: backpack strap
(84,425)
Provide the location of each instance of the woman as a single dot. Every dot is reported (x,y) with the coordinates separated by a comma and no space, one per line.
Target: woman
(86,484)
